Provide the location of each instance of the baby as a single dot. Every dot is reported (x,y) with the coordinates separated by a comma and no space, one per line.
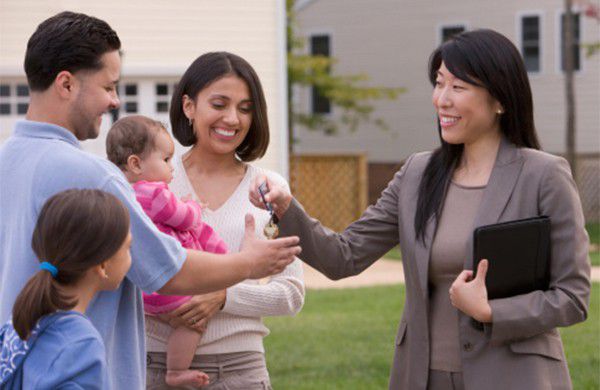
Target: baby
(142,148)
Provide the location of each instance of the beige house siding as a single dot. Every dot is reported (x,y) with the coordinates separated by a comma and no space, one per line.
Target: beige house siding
(390,40)
(160,39)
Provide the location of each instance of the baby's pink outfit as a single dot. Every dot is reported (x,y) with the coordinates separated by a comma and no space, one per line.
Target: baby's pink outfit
(182,220)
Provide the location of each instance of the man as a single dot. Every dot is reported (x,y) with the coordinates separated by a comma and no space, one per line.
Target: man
(73,66)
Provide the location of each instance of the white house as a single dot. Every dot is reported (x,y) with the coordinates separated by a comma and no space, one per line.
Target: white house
(160,38)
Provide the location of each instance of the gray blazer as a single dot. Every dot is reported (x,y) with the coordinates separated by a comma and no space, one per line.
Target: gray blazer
(521,348)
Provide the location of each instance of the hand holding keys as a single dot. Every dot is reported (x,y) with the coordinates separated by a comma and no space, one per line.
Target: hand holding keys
(271,230)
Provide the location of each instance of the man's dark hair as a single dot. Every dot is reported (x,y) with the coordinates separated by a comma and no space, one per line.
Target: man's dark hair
(67,41)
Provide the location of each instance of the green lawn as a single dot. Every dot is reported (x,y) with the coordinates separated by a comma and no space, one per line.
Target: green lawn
(343,339)
(592,228)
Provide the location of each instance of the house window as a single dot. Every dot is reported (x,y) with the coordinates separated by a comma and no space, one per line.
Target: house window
(450,31)
(530,42)
(22,108)
(14,99)
(163,92)
(5,99)
(128,94)
(320,45)
(576,42)
(22,90)
(4,109)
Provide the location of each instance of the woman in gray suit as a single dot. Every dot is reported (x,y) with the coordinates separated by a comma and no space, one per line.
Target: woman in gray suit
(488,169)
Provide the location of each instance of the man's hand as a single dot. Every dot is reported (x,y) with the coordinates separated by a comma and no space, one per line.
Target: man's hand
(267,257)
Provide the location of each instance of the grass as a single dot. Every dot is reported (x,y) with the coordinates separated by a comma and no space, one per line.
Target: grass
(592,228)
(344,339)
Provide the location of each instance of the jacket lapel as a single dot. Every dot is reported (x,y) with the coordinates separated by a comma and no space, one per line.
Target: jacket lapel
(423,251)
(422,255)
(501,184)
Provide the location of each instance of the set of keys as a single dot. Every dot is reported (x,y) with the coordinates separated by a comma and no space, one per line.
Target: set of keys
(271,230)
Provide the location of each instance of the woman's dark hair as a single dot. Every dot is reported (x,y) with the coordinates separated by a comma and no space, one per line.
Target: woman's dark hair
(489,60)
(207,69)
(67,41)
(76,230)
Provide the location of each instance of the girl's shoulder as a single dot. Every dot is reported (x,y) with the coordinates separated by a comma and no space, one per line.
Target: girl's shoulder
(69,326)
(52,335)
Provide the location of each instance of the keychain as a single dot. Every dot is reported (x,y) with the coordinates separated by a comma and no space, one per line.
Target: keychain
(271,230)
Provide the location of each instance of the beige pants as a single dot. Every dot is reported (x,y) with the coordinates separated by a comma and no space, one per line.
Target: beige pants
(445,380)
(227,371)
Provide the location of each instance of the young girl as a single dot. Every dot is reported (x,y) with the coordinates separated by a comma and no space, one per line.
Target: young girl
(82,241)
(143,150)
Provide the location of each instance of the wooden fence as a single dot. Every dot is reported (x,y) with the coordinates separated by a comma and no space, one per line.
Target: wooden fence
(332,188)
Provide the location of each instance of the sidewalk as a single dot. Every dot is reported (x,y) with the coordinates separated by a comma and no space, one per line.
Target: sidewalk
(383,272)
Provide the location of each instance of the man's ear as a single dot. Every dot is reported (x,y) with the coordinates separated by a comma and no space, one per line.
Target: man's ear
(65,83)
(134,164)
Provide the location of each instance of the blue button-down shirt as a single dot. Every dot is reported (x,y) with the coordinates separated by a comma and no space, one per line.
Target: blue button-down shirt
(36,162)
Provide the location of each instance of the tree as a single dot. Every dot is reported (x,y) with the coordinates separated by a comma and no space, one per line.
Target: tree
(346,92)
(568,42)
(592,11)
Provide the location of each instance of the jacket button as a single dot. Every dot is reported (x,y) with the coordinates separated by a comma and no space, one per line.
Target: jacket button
(468,347)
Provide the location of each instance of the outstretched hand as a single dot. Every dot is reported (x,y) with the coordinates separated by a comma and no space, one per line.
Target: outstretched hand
(267,257)
(469,294)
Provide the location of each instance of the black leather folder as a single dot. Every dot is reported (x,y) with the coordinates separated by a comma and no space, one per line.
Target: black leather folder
(518,253)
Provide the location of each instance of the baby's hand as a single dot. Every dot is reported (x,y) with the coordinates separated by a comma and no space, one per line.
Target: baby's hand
(190,197)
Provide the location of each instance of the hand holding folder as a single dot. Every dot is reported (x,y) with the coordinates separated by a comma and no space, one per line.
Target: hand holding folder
(518,253)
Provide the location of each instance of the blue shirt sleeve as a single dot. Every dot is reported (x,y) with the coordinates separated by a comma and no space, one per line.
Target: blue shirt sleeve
(156,256)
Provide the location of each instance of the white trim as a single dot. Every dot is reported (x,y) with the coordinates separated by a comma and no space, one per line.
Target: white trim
(558,42)
(126,71)
(12,71)
(443,25)
(282,105)
(152,71)
(518,24)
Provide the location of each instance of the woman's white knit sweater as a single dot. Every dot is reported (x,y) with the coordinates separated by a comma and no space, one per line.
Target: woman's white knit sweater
(238,327)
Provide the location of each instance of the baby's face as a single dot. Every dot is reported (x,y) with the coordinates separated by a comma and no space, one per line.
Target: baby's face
(157,165)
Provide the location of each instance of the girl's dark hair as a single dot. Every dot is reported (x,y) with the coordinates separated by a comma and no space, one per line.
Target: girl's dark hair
(67,41)
(207,69)
(76,230)
(489,60)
